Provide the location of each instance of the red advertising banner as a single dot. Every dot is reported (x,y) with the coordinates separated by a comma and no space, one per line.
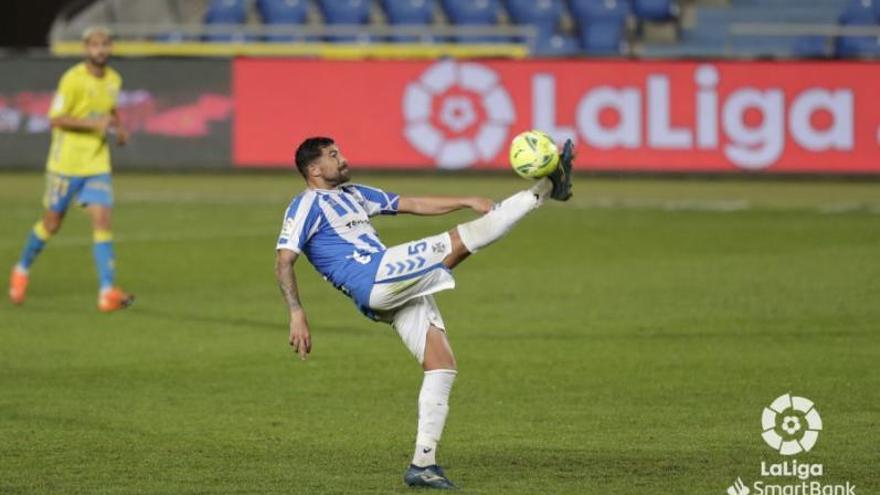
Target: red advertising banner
(638,116)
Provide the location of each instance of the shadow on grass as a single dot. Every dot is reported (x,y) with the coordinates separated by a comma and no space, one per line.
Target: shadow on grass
(277,325)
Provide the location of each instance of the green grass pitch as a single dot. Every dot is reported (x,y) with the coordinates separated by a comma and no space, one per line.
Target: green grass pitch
(623,343)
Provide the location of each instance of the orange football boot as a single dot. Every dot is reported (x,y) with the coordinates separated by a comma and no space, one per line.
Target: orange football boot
(18,282)
(114,299)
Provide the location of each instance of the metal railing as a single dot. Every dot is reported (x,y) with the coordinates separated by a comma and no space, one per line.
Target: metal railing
(785,29)
(826,33)
(123,32)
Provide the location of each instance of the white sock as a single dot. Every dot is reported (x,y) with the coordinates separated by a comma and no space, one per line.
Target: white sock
(433,408)
(492,226)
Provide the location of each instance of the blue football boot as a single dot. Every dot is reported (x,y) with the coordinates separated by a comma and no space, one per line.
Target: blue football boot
(427,477)
(561,177)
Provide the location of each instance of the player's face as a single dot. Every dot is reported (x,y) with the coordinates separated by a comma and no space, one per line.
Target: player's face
(333,166)
(98,47)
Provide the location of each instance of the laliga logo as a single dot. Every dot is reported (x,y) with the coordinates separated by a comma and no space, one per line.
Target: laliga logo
(750,126)
(457,113)
(791,425)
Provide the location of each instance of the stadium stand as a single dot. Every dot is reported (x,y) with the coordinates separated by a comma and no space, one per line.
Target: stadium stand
(410,13)
(655,10)
(702,28)
(549,18)
(709,32)
(545,15)
(858,13)
(602,25)
(811,47)
(289,13)
(226,12)
(557,45)
(347,13)
(473,13)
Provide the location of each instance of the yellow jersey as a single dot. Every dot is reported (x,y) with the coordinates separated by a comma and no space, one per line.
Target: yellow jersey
(82,95)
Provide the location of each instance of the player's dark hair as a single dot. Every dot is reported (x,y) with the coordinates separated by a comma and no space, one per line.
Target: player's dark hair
(309,151)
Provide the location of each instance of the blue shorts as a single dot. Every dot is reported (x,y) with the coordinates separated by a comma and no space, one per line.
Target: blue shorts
(87,190)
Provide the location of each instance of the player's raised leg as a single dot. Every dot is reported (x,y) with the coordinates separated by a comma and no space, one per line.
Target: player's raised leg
(110,297)
(472,236)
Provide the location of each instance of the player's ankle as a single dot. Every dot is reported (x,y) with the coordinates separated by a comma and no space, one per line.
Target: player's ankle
(425,455)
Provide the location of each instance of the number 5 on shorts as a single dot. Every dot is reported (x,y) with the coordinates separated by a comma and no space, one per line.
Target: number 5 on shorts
(417,248)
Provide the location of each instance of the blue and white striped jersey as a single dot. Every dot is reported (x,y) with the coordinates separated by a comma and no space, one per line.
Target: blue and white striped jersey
(333,229)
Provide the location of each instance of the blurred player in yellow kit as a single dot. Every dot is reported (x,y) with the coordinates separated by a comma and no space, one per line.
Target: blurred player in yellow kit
(82,115)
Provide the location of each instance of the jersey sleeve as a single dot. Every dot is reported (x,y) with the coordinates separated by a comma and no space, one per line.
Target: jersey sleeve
(65,96)
(301,221)
(376,201)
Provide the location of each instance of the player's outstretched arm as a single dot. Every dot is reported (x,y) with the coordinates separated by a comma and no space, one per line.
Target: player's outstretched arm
(95,124)
(300,337)
(440,205)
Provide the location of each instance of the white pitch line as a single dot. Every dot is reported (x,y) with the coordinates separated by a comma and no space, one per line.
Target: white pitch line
(847,207)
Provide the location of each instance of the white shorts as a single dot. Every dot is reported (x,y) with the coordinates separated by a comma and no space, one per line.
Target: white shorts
(412,321)
(408,275)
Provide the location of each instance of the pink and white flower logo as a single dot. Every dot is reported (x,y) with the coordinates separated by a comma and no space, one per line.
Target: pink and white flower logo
(458,114)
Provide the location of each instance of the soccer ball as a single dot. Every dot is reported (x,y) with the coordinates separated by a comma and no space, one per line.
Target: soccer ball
(533,154)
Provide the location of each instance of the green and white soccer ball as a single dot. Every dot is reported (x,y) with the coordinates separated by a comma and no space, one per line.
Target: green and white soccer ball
(533,154)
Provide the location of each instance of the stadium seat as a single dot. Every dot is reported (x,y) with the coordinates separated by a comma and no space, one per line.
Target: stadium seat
(283,13)
(811,47)
(602,24)
(600,10)
(655,10)
(556,45)
(346,13)
(859,12)
(543,14)
(857,46)
(604,37)
(226,12)
(474,13)
(409,13)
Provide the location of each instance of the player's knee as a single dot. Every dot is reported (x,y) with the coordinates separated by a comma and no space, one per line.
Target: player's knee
(440,363)
(459,251)
(101,220)
(438,353)
(52,223)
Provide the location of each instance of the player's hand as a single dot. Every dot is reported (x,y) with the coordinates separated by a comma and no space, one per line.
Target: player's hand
(300,338)
(121,136)
(102,124)
(480,205)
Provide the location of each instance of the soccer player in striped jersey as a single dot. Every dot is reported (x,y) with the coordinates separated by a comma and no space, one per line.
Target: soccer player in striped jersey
(329,223)
(78,168)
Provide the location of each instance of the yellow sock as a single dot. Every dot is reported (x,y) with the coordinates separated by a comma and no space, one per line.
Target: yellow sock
(100,235)
(41,232)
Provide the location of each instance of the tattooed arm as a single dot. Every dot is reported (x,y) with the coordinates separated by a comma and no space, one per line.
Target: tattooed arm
(300,338)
